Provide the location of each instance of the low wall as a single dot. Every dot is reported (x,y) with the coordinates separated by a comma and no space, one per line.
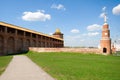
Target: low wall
(81,50)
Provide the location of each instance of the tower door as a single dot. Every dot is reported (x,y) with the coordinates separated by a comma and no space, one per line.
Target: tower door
(104,50)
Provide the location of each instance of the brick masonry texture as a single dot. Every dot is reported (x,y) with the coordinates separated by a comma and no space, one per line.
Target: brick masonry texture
(80,50)
(15,39)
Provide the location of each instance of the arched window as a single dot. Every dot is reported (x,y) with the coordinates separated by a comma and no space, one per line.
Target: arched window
(11,45)
(20,44)
(34,43)
(27,45)
(1,45)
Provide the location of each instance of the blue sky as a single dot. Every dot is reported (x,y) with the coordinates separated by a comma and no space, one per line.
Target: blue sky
(79,20)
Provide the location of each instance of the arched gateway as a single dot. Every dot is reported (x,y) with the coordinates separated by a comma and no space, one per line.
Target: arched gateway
(104,50)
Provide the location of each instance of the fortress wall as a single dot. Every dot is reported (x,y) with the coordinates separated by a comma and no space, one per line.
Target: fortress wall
(15,39)
(80,50)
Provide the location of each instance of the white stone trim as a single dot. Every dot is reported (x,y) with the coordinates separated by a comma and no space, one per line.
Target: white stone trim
(105,38)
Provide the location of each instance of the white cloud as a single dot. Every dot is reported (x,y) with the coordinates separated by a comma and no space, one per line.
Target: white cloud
(102,15)
(75,31)
(116,10)
(58,7)
(73,37)
(103,12)
(72,40)
(94,27)
(50,33)
(82,40)
(104,8)
(117,46)
(93,34)
(36,16)
(90,34)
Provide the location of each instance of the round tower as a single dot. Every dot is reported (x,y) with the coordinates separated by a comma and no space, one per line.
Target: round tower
(58,34)
(105,42)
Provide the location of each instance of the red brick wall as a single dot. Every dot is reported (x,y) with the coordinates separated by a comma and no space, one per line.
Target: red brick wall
(81,50)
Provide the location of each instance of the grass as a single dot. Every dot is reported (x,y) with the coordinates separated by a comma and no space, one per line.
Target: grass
(69,66)
(4,61)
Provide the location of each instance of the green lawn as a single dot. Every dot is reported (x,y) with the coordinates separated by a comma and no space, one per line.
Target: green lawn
(75,66)
(4,61)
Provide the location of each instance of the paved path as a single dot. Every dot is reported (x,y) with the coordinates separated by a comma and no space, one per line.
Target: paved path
(22,68)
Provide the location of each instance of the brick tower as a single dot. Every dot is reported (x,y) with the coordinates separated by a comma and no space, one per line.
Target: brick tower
(58,34)
(105,42)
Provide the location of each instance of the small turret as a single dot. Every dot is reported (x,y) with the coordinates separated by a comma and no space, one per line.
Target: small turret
(58,34)
(113,48)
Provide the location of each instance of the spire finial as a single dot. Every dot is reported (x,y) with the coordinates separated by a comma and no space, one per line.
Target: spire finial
(105,14)
(105,17)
